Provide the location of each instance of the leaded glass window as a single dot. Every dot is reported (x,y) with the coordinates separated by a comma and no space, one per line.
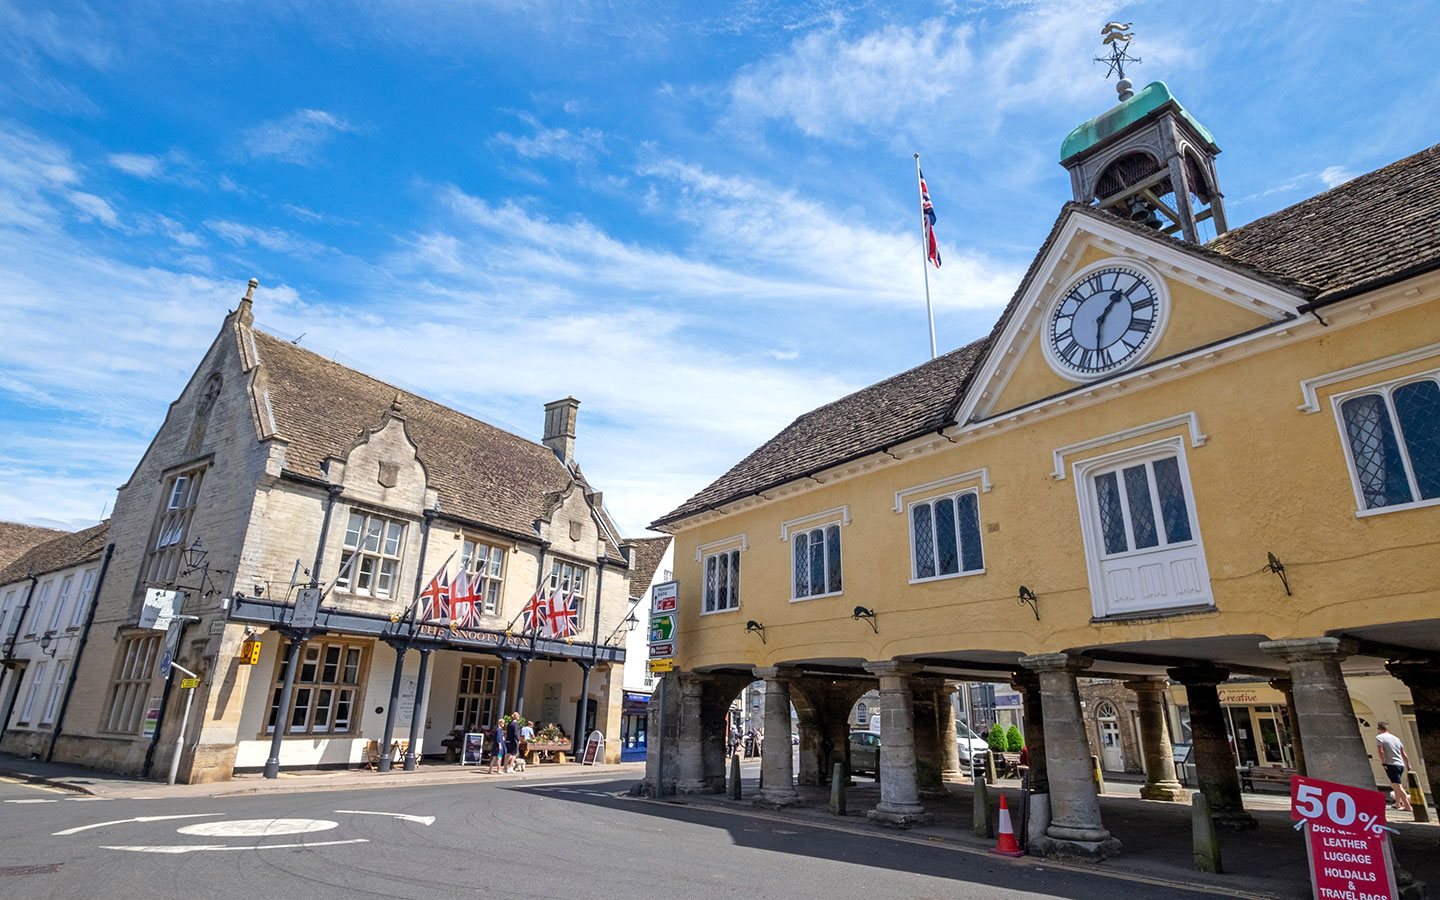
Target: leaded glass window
(945,536)
(722,581)
(1131,501)
(1394,442)
(817,561)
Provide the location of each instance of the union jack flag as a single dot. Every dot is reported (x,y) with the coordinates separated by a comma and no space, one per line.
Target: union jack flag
(564,618)
(436,597)
(536,612)
(464,605)
(928,209)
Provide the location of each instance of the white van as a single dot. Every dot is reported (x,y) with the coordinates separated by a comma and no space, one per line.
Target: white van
(973,748)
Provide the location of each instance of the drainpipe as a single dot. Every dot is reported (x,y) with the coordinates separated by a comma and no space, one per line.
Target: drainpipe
(79,649)
(334,494)
(10,651)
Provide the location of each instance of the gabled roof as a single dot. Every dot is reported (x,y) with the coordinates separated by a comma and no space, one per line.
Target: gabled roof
(68,549)
(480,472)
(1371,229)
(645,557)
(16,538)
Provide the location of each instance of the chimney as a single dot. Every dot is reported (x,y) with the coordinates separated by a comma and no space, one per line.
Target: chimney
(560,428)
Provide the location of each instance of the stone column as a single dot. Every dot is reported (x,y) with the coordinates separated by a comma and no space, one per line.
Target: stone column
(1215,768)
(811,770)
(1075,827)
(776,756)
(1423,680)
(899,793)
(929,751)
(690,779)
(1028,683)
(949,734)
(1160,780)
(714,729)
(1335,749)
(1292,724)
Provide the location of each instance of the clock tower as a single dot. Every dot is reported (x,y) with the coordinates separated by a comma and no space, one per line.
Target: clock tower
(1147,159)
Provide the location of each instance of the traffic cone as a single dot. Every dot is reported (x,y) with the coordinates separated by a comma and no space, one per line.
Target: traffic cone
(1007,845)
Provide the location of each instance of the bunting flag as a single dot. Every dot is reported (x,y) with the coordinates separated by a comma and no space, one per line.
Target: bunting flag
(932,249)
(564,619)
(463,600)
(536,612)
(435,599)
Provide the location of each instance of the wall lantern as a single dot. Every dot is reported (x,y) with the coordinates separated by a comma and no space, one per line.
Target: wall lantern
(757,628)
(195,556)
(868,615)
(46,640)
(1273,564)
(1028,598)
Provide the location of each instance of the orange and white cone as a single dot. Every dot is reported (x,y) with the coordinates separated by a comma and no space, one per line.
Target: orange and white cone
(1007,845)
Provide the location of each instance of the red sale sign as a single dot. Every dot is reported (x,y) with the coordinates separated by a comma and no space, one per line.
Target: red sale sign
(1345,838)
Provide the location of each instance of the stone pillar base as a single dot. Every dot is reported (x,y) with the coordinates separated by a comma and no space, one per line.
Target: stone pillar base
(697,786)
(938,794)
(1234,819)
(772,799)
(1164,790)
(1039,817)
(897,815)
(1092,851)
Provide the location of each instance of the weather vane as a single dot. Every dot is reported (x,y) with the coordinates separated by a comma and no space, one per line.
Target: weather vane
(1117,38)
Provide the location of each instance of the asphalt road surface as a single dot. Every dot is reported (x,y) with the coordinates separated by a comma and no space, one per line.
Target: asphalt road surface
(570,837)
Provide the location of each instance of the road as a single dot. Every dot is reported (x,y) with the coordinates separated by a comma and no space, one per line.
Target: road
(567,837)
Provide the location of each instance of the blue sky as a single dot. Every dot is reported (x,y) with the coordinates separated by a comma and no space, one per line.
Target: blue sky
(700,220)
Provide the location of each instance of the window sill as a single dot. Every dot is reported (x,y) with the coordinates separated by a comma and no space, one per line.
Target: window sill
(1399,507)
(1155,615)
(931,578)
(716,612)
(816,597)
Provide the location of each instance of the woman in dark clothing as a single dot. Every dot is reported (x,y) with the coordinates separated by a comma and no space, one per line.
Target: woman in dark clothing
(512,740)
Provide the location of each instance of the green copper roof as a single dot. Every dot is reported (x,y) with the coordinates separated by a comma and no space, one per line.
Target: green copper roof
(1152,97)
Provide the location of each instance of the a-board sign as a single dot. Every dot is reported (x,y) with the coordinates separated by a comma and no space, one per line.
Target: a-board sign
(1346,839)
(594,749)
(152,718)
(189,683)
(307,606)
(472,750)
(662,665)
(662,649)
(665,597)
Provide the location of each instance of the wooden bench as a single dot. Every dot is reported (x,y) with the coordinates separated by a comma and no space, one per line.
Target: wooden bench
(535,751)
(1264,774)
(1007,764)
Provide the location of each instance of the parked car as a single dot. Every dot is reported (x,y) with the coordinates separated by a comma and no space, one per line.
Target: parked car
(864,752)
(973,748)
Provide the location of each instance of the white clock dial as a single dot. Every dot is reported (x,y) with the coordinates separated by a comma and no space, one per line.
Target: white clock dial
(1103,322)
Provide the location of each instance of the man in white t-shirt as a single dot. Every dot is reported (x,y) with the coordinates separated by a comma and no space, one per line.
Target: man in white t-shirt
(1395,761)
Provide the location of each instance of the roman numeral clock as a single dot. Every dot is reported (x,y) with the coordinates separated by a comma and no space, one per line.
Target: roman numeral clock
(1108,319)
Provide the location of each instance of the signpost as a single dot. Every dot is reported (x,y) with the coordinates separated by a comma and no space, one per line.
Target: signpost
(661,665)
(665,597)
(1346,839)
(307,607)
(662,650)
(159,608)
(664,607)
(662,627)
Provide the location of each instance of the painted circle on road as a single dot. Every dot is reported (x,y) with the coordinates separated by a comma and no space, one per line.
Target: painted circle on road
(257,827)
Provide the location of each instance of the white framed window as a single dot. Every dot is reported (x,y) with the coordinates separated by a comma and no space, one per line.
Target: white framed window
(56,686)
(137,659)
(172,527)
(37,610)
(28,708)
(815,562)
(1391,434)
(945,536)
(380,543)
(327,689)
(475,697)
(82,601)
(721,572)
(67,584)
(485,564)
(1142,539)
(9,623)
(565,577)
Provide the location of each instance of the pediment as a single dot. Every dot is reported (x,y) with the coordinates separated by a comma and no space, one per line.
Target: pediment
(1199,301)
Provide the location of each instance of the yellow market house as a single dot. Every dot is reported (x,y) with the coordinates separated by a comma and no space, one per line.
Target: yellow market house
(1171,462)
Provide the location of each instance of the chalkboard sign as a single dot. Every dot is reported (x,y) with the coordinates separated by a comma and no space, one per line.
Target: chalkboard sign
(594,749)
(472,750)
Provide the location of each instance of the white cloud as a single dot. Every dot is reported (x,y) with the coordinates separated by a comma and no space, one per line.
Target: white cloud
(557,143)
(297,138)
(93,207)
(1334,176)
(140,165)
(33,172)
(275,239)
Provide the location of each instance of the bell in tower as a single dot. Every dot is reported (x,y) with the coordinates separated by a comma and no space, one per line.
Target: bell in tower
(1146,159)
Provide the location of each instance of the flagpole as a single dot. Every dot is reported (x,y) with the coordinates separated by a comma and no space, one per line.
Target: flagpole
(925,258)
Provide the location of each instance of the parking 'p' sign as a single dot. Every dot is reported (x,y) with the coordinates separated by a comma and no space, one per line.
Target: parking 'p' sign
(1345,838)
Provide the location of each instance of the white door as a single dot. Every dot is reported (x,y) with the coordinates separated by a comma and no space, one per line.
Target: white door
(1112,757)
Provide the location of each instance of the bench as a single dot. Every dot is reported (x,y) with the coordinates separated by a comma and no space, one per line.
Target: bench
(1007,765)
(1265,775)
(536,751)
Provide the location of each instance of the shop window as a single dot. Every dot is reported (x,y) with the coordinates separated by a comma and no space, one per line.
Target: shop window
(327,689)
(475,697)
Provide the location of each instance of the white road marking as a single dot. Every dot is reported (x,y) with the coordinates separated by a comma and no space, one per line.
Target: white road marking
(32,801)
(124,821)
(423,820)
(194,848)
(257,827)
(89,799)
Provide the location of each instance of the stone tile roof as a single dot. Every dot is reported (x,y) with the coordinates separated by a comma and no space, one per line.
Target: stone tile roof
(1368,229)
(68,549)
(481,472)
(897,409)
(16,538)
(646,554)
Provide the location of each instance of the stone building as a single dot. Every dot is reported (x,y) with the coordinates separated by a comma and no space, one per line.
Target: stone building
(278,472)
(1172,460)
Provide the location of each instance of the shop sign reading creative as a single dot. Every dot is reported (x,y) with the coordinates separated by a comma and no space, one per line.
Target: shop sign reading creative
(1345,838)
(664,598)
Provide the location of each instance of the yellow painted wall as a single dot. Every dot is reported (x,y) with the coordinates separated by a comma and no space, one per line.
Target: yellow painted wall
(1270,479)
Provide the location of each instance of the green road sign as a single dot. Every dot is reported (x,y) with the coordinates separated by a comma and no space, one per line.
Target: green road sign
(662,627)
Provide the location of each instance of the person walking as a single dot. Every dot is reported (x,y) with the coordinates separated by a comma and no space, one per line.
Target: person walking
(1395,761)
(512,740)
(497,750)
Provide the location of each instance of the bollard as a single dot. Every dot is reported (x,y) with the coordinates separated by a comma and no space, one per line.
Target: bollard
(734,786)
(1097,775)
(1204,839)
(837,791)
(991,775)
(1417,797)
(982,807)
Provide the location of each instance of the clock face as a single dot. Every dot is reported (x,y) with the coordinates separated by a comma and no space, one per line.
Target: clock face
(1103,322)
